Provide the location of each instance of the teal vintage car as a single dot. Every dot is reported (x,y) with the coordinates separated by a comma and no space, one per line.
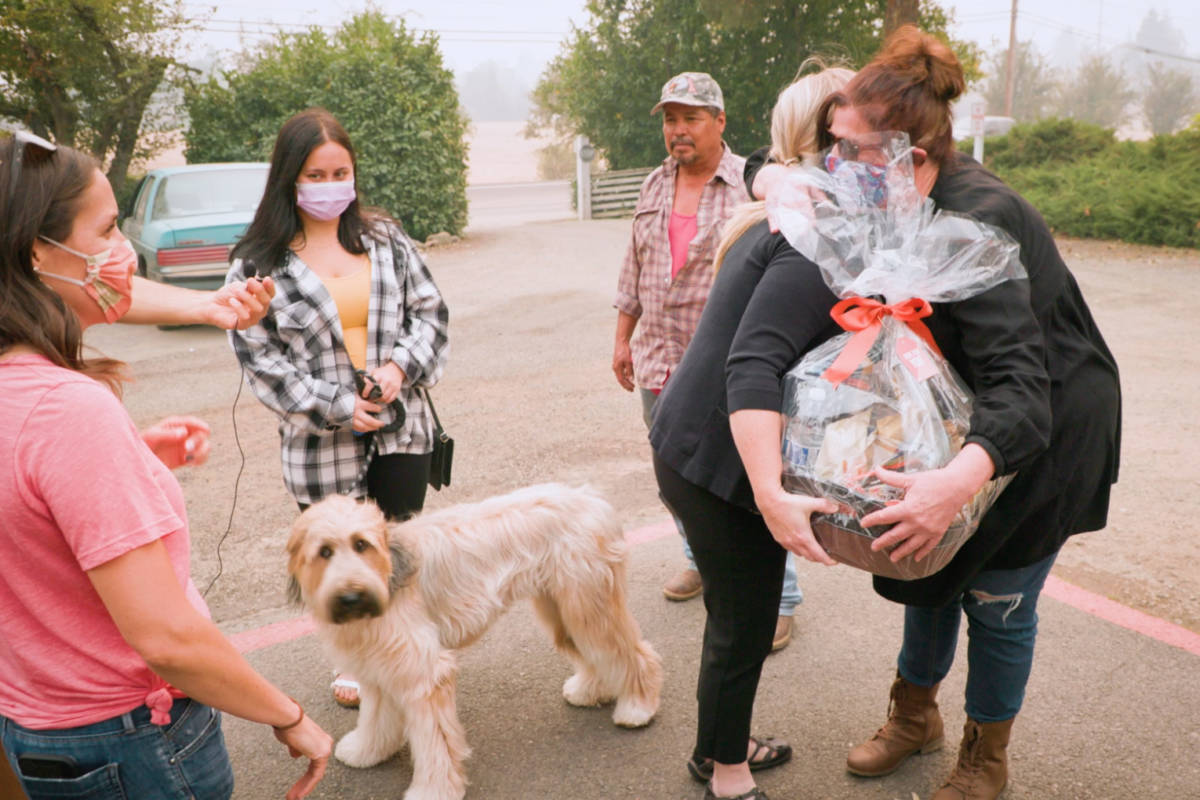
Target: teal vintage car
(183,221)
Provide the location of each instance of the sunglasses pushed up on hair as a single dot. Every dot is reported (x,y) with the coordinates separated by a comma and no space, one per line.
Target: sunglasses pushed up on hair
(24,141)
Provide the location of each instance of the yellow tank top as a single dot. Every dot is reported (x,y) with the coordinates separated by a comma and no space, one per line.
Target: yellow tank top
(352,296)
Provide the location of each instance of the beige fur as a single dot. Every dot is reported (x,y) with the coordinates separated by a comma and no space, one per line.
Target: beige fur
(394,601)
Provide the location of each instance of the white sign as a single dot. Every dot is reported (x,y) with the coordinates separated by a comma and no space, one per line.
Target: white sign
(977,117)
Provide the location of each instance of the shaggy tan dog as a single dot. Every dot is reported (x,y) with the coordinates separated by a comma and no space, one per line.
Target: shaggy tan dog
(394,601)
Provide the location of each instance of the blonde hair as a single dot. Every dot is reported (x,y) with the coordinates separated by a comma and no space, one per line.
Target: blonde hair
(793,139)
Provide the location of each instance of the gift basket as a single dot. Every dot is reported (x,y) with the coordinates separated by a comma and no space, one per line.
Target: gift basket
(880,394)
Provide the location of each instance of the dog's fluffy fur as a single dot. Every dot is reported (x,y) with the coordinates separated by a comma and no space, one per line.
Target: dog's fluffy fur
(393,602)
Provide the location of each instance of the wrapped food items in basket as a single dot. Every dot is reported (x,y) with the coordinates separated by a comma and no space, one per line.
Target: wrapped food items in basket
(881,395)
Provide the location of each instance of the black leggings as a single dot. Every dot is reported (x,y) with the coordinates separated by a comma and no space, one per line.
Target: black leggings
(397,483)
(741,566)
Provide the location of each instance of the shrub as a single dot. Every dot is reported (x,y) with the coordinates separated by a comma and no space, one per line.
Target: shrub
(1140,192)
(1050,141)
(386,86)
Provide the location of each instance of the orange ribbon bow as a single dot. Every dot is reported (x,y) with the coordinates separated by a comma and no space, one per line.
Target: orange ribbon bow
(864,317)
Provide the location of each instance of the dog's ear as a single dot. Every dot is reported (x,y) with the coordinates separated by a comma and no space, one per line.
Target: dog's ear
(294,596)
(403,566)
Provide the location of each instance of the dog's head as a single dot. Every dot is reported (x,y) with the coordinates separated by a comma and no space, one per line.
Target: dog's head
(341,564)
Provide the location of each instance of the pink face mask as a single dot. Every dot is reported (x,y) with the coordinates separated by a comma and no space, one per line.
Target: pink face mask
(109,280)
(326,200)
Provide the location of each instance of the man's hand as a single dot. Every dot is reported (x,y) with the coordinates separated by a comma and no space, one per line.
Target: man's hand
(238,305)
(178,441)
(622,364)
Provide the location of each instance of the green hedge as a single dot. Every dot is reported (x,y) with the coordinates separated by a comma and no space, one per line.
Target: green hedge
(386,86)
(1085,183)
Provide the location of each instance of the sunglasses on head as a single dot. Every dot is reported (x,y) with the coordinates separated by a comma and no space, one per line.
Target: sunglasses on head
(26,147)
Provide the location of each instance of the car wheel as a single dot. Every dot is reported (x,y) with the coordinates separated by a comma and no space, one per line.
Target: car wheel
(141,268)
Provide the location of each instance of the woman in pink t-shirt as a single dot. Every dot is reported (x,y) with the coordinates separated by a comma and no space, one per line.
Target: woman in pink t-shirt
(111,672)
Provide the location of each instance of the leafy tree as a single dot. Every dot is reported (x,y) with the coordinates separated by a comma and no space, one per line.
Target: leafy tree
(1169,100)
(1098,93)
(388,88)
(1156,35)
(82,72)
(494,92)
(1033,82)
(901,12)
(611,70)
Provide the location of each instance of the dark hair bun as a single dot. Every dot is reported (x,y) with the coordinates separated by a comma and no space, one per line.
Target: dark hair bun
(926,59)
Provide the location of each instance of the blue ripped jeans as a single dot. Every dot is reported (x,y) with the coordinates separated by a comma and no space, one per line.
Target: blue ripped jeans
(129,757)
(1001,609)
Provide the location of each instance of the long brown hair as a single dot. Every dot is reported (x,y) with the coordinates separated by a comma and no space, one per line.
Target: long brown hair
(44,202)
(276,223)
(908,87)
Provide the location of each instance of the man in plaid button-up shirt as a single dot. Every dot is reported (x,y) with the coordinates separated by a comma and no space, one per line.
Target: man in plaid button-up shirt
(668,268)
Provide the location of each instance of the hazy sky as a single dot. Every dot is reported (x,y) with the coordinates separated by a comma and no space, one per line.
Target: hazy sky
(526,33)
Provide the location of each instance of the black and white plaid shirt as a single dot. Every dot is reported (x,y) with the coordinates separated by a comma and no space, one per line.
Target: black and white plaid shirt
(296,362)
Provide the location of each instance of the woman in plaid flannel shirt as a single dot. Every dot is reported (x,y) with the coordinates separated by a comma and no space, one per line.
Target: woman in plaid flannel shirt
(353,296)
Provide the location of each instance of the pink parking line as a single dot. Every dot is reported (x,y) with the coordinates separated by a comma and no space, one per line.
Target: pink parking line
(1132,619)
(275,633)
(1081,599)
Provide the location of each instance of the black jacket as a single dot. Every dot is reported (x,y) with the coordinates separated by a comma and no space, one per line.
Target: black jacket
(1047,398)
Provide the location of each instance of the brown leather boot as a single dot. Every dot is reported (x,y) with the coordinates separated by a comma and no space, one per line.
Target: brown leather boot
(982,769)
(913,725)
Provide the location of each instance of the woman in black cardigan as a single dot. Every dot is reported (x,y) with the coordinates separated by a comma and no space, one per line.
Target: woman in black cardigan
(1047,407)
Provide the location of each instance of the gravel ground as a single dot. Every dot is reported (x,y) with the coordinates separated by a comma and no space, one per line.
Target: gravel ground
(529,397)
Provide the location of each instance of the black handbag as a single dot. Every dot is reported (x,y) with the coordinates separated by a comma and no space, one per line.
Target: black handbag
(442,457)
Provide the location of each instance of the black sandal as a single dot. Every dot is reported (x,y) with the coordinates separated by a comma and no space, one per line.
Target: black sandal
(754,794)
(780,753)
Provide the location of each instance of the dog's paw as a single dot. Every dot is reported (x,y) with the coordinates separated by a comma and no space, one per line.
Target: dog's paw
(631,713)
(354,750)
(582,690)
(415,792)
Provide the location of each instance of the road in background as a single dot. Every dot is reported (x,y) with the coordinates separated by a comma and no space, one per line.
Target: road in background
(494,206)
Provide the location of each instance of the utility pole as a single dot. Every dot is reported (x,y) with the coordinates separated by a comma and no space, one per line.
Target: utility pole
(900,12)
(1010,84)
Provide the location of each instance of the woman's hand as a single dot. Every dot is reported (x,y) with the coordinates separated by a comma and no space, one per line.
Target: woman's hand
(790,198)
(239,305)
(364,419)
(178,441)
(309,740)
(931,500)
(756,433)
(788,518)
(389,378)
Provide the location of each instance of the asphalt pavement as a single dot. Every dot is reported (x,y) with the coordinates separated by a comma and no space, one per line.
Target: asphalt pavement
(1113,707)
(1111,713)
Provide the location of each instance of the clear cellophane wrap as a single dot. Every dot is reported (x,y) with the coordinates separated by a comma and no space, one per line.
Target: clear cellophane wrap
(896,403)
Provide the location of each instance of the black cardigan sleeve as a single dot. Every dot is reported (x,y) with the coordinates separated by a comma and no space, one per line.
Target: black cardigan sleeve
(754,162)
(1004,351)
(787,315)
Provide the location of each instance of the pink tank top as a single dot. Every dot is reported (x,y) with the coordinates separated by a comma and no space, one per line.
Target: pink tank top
(680,233)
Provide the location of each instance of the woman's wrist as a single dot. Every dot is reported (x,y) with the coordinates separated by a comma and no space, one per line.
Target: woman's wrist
(296,720)
(973,467)
(768,496)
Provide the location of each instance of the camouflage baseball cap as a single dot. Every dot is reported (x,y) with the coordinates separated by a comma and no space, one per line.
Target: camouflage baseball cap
(691,89)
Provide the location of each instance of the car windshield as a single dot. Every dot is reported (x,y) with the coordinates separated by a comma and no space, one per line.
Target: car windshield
(187,194)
